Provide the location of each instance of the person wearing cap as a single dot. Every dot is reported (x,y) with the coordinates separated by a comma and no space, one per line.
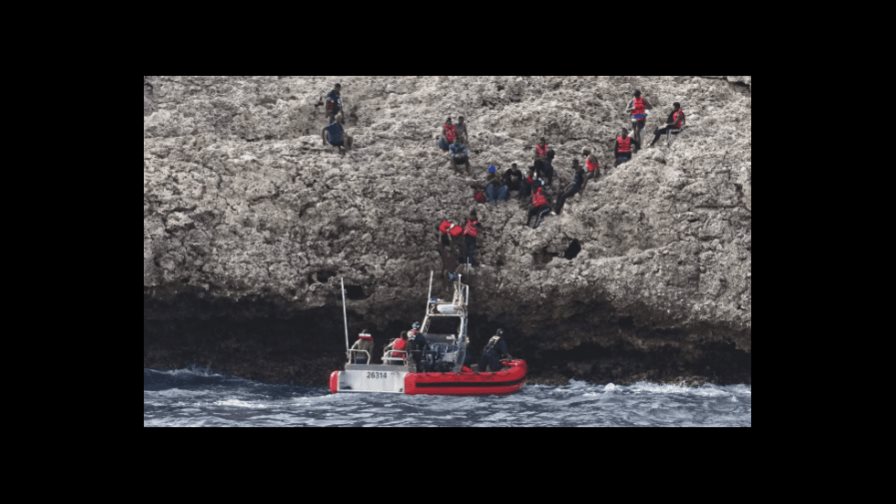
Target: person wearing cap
(674,123)
(495,188)
(494,351)
(363,344)
(417,346)
(638,108)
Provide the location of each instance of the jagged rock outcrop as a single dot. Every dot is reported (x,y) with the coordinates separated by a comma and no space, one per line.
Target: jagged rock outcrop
(247,216)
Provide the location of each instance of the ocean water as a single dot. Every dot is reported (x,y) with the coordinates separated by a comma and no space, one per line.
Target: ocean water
(196,398)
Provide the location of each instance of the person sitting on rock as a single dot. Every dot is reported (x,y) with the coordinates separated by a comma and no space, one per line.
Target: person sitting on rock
(623,149)
(335,134)
(572,189)
(592,165)
(495,188)
(513,178)
(460,154)
(540,205)
(493,352)
(674,123)
(364,343)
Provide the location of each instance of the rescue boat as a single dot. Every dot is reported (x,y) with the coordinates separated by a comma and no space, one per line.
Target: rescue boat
(444,328)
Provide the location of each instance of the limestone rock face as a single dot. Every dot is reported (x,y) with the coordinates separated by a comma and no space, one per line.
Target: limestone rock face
(247,216)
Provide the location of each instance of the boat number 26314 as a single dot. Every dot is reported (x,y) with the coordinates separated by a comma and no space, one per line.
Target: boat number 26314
(376,374)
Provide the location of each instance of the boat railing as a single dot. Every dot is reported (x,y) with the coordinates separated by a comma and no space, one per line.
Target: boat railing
(351,359)
(389,356)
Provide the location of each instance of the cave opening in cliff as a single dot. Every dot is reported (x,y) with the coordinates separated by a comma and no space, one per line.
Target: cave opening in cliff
(355,292)
(573,250)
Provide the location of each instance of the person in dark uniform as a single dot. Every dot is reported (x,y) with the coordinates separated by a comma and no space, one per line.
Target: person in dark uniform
(417,346)
(494,351)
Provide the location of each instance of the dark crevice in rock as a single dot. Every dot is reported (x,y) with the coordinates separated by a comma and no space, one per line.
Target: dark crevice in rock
(573,250)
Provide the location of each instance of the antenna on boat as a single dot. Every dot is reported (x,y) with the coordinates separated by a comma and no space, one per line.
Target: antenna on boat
(344,316)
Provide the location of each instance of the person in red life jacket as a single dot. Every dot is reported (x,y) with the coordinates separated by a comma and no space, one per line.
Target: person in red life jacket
(493,352)
(638,108)
(592,166)
(541,150)
(449,135)
(448,232)
(674,123)
(397,349)
(471,231)
(540,203)
(623,149)
(364,343)
(572,189)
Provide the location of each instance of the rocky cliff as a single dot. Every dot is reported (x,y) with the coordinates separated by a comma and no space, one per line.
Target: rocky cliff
(249,222)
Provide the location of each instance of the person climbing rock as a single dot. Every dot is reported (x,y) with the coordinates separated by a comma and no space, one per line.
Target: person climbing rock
(449,135)
(460,154)
(674,123)
(493,352)
(334,102)
(461,129)
(623,149)
(572,189)
(592,166)
(336,136)
(638,108)
(471,231)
